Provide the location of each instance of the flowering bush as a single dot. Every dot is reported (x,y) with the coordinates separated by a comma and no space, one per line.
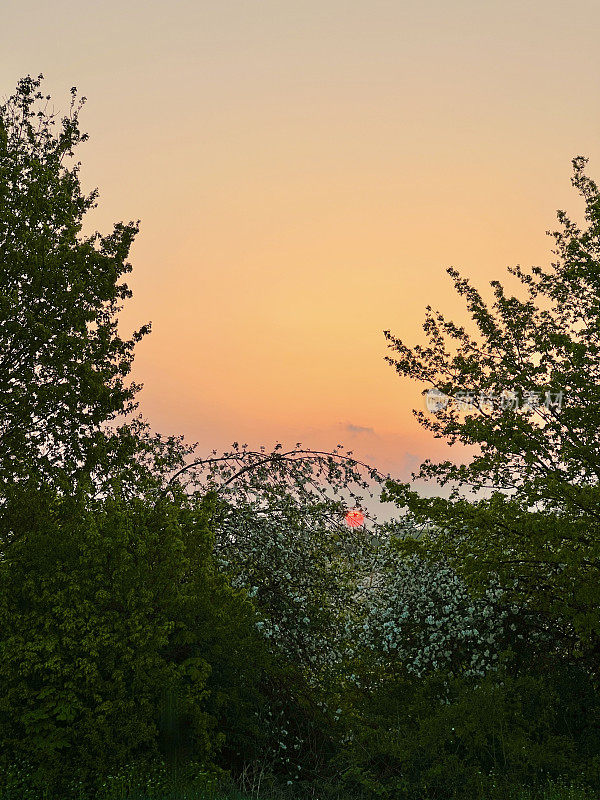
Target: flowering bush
(280,535)
(421,616)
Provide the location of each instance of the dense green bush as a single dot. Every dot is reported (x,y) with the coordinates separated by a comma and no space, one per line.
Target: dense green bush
(118,638)
(446,694)
(435,738)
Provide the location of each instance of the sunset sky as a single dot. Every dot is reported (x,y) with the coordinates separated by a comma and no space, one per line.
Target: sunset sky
(304,172)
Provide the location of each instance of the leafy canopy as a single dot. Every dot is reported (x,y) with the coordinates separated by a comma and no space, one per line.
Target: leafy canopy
(63,364)
(537,464)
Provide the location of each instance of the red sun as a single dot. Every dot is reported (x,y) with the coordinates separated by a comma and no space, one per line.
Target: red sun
(354,518)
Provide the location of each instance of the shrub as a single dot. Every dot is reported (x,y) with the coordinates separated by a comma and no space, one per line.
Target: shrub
(412,738)
(118,637)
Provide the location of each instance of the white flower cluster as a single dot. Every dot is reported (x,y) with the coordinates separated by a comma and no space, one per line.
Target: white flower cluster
(325,600)
(422,616)
(300,578)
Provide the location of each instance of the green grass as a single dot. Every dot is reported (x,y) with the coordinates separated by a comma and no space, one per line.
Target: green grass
(552,793)
(159,784)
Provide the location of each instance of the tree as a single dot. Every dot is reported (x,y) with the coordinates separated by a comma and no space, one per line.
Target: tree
(119,633)
(528,380)
(63,364)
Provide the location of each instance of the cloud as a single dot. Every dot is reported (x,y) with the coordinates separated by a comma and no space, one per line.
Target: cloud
(359,429)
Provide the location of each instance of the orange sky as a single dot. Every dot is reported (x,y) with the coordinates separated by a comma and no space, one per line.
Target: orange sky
(304,172)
